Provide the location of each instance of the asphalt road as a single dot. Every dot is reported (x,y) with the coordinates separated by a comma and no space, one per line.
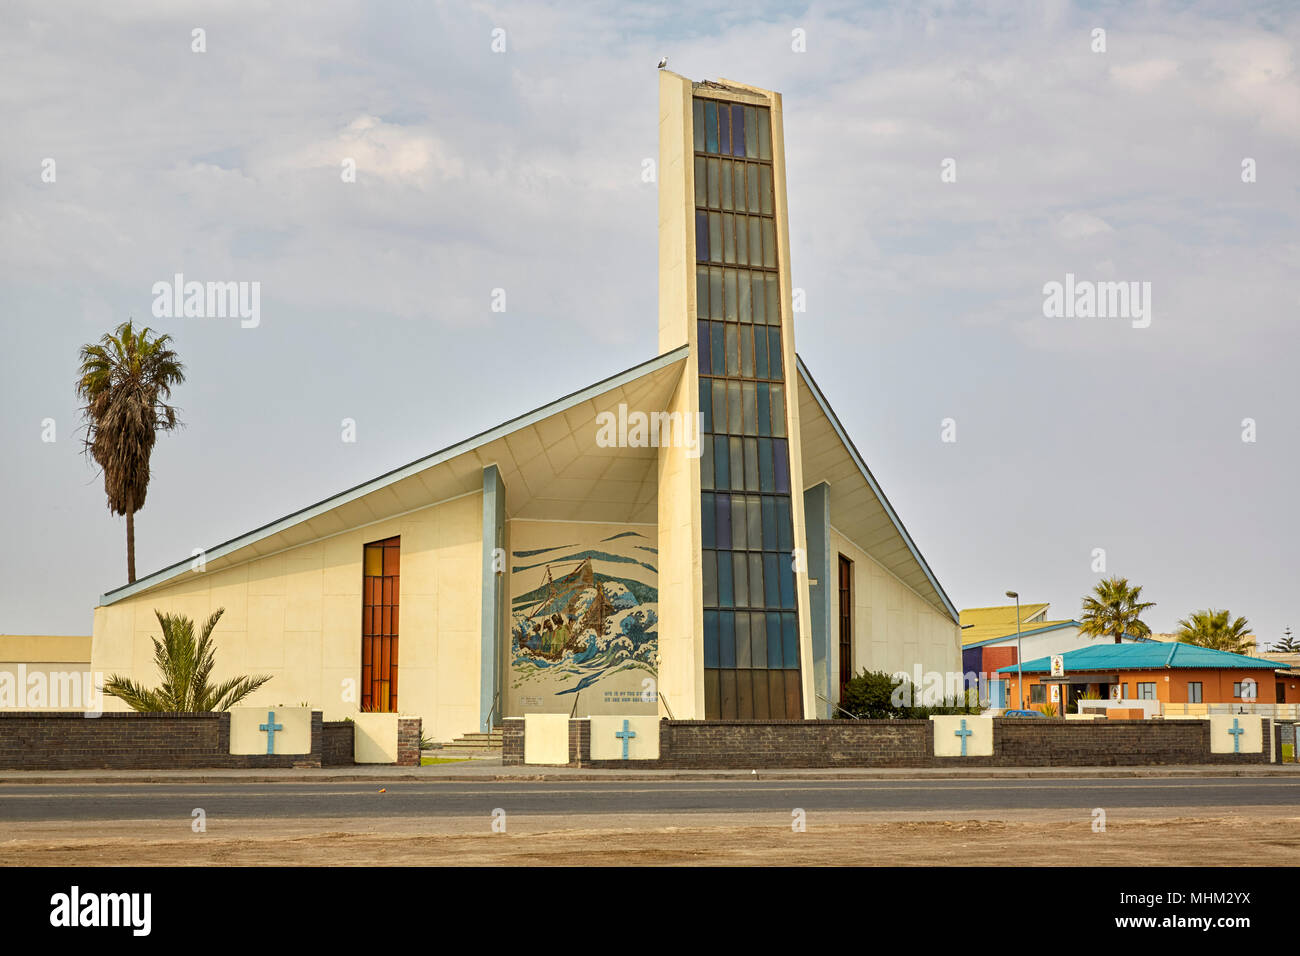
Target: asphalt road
(20,802)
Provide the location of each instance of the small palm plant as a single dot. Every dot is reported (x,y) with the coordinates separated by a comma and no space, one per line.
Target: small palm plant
(1215,630)
(1114,610)
(185,665)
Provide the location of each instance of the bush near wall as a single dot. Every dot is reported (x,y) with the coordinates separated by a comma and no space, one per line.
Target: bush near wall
(873,695)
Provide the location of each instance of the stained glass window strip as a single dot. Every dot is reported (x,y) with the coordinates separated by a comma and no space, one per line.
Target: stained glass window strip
(751,650)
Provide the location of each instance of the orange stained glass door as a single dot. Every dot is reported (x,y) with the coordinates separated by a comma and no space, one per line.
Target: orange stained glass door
(379,612)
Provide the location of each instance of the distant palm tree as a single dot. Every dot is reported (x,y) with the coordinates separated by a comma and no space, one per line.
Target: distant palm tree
(185,665)
(1114,610)
(1214,629)
(123,381)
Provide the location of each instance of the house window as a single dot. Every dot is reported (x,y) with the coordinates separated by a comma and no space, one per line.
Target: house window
(1038,693)
(1193,692)
(1146,691)
(1245,690)
(379,592)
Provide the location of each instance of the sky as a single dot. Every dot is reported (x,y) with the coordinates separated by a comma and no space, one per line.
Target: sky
(946,163)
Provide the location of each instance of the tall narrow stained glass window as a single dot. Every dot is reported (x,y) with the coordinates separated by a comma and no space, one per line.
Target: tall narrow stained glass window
(751,621)
(380,575)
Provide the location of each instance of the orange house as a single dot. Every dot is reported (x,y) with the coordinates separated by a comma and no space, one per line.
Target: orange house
(1172,673)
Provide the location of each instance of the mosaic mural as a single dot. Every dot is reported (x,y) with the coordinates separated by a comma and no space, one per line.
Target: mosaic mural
(584,621)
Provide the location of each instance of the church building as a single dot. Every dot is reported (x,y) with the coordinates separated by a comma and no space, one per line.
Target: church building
(695,537)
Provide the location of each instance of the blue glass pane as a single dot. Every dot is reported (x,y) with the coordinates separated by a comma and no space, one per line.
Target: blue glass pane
(726,589)
(787,580)
(717,351)
(769,523)
(726,639)
(740,578)
(782,461)
(774,352)
(710,638)
(760,354)
(751,464)
(739,526)
(724,128)
(707,523)
(737,131)
(702,237)
(743,652)
(773,639)
(765,482)
(722,521)
(702,329)
(784,529)
(758,639)
(709,576)
(706,391)
(771,580)
(790,640)
(710,126)
(721,463)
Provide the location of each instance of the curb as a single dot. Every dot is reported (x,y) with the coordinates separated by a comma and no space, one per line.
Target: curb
(619,776)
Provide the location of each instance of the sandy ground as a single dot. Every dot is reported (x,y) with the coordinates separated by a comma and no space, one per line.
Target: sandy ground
(1213,836)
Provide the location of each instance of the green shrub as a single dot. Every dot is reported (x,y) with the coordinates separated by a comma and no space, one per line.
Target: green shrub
(877,695)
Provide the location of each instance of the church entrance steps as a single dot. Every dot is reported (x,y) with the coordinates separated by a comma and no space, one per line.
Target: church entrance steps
(476,741)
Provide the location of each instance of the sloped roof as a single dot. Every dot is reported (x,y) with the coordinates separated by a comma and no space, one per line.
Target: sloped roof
(1150,655)
(859,508)
(991,634)
(552,467)
(1001,614)
(549,460)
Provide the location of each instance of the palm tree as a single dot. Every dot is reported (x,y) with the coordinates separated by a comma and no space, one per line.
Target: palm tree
(123,381)
(185,665)
(1114,610)
(1214,629)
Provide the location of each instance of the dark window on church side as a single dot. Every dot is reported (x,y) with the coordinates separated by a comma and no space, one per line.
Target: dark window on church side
(379,592)
(846,623)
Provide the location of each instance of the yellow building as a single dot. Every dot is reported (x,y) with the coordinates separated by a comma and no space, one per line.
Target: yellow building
(694,537)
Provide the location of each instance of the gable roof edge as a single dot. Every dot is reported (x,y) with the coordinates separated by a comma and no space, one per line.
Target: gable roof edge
(431,460)
(875,487)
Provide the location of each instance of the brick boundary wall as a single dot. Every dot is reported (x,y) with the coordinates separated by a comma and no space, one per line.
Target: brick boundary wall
(408,741)
(131,740)
(512,741)
(1017,742)
(338,743)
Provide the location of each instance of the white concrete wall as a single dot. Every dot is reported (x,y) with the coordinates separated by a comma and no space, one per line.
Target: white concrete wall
(894,628)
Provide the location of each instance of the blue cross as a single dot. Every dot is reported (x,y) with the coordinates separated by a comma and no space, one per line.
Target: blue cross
(963,734)
(626,735)
(270,727)
(1236,732)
